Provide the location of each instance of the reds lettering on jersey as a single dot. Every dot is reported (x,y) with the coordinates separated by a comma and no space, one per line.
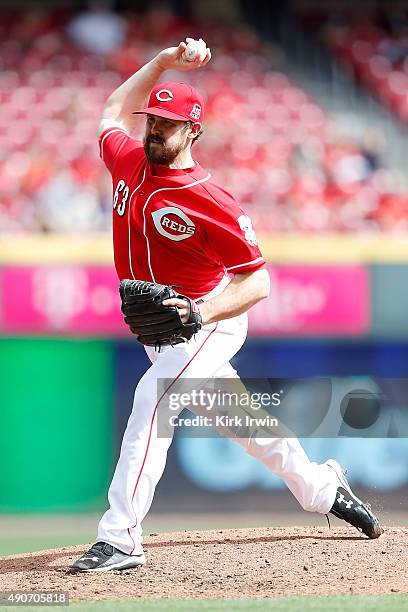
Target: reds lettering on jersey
(174,227)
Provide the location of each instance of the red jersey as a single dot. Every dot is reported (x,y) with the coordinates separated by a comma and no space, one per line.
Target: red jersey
(174,227)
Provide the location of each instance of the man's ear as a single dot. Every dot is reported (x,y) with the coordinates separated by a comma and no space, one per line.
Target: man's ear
(195,129)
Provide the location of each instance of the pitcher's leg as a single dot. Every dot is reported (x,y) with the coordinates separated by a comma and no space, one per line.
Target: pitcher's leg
(143,453)
(314,485)
(317,487)
(130,490)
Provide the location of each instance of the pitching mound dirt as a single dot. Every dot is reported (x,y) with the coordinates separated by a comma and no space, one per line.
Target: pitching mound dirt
(234,563)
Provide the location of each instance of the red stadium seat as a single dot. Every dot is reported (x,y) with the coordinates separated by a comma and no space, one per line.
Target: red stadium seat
(279,155)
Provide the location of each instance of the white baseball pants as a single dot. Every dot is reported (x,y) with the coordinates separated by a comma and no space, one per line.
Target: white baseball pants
(143,454)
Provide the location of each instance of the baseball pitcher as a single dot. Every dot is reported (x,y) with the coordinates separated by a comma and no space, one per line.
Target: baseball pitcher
(190,268)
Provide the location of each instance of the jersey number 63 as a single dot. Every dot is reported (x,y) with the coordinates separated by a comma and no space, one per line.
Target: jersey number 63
(121,190)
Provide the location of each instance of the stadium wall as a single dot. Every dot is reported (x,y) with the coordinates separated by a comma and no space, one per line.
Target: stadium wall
(68,368)
(65,404)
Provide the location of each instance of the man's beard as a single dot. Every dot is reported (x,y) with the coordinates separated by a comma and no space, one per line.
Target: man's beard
(161,153)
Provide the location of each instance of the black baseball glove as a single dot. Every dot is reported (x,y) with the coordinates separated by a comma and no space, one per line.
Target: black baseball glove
(155,324)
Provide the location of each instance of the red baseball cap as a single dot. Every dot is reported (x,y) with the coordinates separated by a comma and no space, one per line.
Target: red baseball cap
(177,101)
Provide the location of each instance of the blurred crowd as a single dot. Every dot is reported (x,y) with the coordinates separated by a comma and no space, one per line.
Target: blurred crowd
(264,138)
(372,41)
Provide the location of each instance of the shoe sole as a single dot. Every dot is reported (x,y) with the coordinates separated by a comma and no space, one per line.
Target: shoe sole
(122,565)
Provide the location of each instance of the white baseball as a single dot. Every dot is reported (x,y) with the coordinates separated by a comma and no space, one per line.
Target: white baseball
(194,48)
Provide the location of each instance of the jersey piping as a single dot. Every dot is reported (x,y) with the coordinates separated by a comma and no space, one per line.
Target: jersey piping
(129,209)
(246,263)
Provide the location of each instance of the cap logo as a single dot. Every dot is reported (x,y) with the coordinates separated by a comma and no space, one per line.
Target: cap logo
(164,95)
(196,111)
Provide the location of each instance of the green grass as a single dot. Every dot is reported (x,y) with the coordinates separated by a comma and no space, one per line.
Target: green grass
(15,545)
(336,603)
(26,533)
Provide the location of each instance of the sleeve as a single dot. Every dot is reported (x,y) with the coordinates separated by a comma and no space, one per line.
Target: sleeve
(114,144)
(234,241)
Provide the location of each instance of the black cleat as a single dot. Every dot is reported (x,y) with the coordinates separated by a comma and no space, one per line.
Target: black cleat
(103,557)
(349,508)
